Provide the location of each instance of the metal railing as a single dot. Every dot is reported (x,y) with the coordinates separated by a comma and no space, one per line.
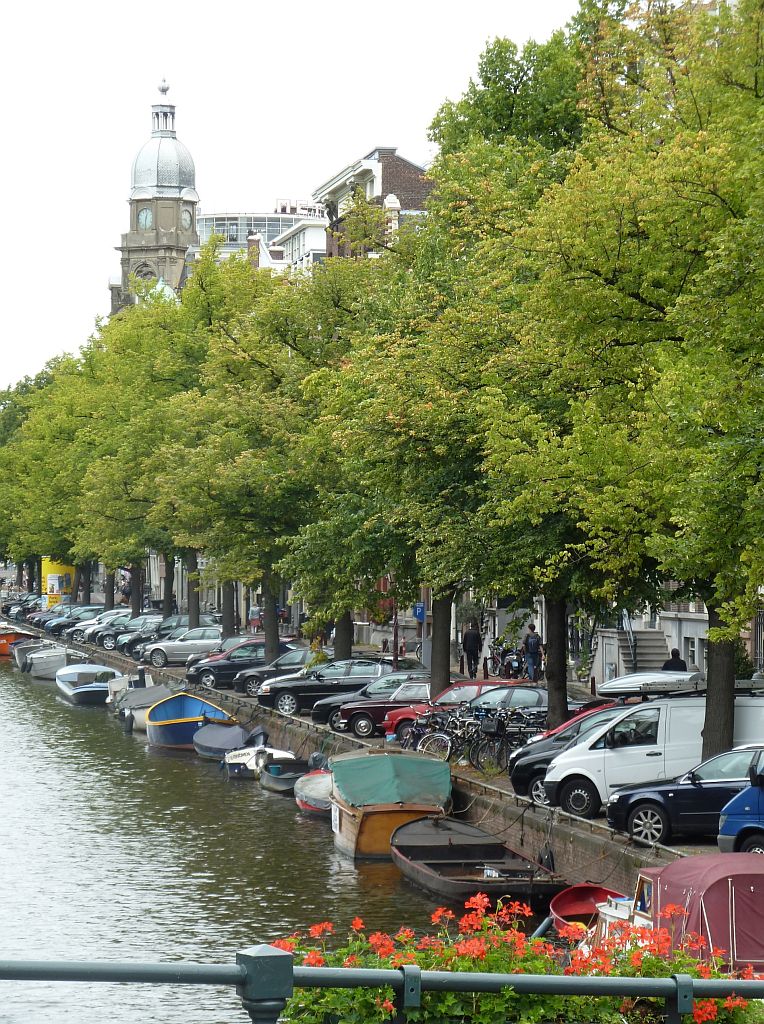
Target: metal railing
(630,638)
(265,977)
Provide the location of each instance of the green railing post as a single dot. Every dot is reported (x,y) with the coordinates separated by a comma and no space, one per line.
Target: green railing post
(409,996)
(268,982)
(681,1001)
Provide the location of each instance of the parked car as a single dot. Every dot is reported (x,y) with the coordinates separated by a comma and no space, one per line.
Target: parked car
(250,679)
(290,695)
(175,652)
(123,634)
(528,764)
(226,644)
(398,721)
(16,604)
(76,631)
(57,625)
(218,669)
(157,629)
(105,633)
(42,616)
(687,805)
(362,713)
(741,821)
(660,739)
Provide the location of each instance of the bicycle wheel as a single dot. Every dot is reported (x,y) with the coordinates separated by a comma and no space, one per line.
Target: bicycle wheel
(437,743)
(492,756)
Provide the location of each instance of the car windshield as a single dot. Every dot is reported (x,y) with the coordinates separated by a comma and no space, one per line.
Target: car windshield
(491,698)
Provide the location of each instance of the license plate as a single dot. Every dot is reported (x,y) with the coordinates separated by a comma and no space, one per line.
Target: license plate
(335,818)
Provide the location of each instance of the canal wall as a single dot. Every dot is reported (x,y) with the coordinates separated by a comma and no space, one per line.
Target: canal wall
(581,851)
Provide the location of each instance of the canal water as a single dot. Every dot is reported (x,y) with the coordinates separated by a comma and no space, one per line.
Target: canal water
(112,850)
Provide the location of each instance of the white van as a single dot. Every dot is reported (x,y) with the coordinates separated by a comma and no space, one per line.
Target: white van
(659,739)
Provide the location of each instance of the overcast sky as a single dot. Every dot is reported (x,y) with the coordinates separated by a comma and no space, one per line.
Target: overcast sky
(271,100)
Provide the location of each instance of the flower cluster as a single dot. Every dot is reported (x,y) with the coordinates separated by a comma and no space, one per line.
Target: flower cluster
(488,940)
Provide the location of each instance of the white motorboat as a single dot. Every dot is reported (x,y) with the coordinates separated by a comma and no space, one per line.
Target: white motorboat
(84,683)
(21,652)
(248,762)
(44,664)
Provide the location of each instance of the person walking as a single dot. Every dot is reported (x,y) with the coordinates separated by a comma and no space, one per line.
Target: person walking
(675,663)
(532,649)
(472,645)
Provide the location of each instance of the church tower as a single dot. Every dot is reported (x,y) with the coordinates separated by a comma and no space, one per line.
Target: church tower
(163,204)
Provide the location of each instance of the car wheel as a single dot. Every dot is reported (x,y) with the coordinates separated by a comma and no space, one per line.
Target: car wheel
(158,658)
(109,643)
(287,704)
(334,720)
(208,679)
(253,685)
(536,791)
(648,823)
(78,636)
(753,844)
(402,730)
(362,726)
(579,797)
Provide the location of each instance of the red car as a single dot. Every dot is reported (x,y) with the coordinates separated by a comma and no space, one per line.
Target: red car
(398,720)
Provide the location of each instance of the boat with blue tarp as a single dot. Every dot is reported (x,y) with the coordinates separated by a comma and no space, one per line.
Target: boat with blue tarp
(173,721)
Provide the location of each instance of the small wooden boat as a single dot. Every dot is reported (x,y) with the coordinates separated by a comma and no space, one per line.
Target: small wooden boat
(280,775)
(248,762)
(454,860)
(172,721)
(214,741)
(577,904)
(376,790)
(313,792)
(9,636)
(85,684)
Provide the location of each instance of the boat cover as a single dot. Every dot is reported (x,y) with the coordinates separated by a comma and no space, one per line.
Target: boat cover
(315,789)
(143,696)
(390,777)
(220,738)
(724,897)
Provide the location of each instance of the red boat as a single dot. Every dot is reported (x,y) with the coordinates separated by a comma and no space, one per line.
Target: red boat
(578,904)
(9,636)
(313,792)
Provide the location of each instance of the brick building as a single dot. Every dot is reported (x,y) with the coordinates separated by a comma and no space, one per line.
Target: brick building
(384,178)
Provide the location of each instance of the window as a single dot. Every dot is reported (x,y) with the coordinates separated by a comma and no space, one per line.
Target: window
(639,729)
(364,668)
(413,691)
(732,765)
(292,658)
(523,697)
(248,651)
(458,694)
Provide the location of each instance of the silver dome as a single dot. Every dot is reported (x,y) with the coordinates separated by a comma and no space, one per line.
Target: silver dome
(163,167)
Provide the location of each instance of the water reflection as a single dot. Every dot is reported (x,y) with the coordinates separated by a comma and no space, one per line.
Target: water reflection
(115,850)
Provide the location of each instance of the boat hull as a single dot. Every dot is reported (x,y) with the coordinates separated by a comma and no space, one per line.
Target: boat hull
(577,904)
(365,832)
(89,696)
(313,793)
(280,776)
(171,723)
(454,860)
(9,637)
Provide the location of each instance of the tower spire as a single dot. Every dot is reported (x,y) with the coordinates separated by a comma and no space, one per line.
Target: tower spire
(163,115)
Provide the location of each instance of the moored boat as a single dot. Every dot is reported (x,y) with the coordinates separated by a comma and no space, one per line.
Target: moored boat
(577,904)
(248,762)
(9,636)
(455,859)
(313,792)
(280,774)
(375,790)
(214,741)
(85,684)
(45,663)
(172,721)
(132,704)
(20,651)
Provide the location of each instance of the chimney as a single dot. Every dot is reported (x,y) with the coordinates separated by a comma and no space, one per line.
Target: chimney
(253,250)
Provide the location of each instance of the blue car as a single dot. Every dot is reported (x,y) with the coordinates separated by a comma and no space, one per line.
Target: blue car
(741,822)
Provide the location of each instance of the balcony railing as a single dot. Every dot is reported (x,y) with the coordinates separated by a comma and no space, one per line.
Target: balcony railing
(265,977)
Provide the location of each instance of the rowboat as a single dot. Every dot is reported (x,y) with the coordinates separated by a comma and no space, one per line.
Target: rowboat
(313,792)
(172,721)
(85,684)
(213,741)
(20,651)
(280,775)
(374,791)
(131,705)
(8,636)
(455,859)
(45,662)
(577,904)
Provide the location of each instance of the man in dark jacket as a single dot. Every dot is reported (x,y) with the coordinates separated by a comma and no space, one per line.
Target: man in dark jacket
(675,663)
(472,645)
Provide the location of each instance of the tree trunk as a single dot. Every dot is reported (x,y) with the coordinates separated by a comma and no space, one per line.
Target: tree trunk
(76,583)
(556,661)
(440,665)
(136,589)
(718,727)
(169,604)
(268,588)
(108,591)
(86,573)
(229,625)
(343,636)
(192,564)
(19,575)
(31,565)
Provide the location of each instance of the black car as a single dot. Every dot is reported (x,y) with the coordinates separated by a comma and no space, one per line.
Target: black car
(249,680)
(528,764)
(689,805)
(327,710)
(110,629)
(291,695)
(218,669)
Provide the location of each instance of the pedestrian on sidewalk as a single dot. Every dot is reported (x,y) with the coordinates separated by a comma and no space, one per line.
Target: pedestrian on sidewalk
(532,649)
(472,645)
(675,663)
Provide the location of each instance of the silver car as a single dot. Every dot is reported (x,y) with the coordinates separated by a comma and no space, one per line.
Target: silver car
(176,652)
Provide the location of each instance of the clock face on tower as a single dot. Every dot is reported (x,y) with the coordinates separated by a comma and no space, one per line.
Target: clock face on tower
(186,219)
(145,218)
